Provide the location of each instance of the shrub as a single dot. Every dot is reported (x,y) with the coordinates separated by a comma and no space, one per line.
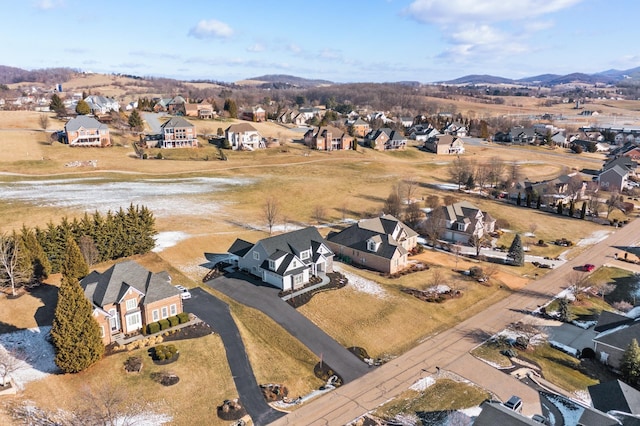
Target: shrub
(153,328)
(164,324)
(540,242)
(173,321)
(159,156)
(476,272)
(183,317)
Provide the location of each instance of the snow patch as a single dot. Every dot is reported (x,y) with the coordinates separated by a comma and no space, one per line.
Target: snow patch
(168,239)
(634,313)
(38,354)
(564,348)
(422,384)
(594,238)
(361,284)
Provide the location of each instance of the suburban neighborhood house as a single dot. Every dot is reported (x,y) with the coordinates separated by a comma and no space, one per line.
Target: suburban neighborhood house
(327,138)
(460,222)
(615,333)
(615,173)
(178,133)
(86,131)
(127,297)
(257,114)
(203,111)
(102,104)
(445,144)
(286,261)
(382,243)
(243,136)
(385,139)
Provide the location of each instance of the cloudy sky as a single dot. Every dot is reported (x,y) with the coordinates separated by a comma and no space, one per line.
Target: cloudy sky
(342,41)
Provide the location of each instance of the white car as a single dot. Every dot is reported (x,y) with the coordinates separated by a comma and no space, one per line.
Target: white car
(184,292)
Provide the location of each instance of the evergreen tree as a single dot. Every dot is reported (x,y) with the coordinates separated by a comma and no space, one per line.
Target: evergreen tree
(630,365)
(563,309)
(572,209)
(56,105)
(528,199)
(583,211)
(516,252)
(75,333)
(37,257)
(518,201)
(74,266)
(135,121)
(539,202)
(560,208)
(231,107)
(83,108)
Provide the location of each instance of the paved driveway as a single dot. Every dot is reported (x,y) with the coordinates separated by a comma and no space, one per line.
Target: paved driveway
(216,313)
(265,299)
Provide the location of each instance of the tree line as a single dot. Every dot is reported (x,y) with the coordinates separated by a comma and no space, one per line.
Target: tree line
(31,254)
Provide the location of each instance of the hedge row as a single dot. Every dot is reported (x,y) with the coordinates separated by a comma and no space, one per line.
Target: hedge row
(163,324)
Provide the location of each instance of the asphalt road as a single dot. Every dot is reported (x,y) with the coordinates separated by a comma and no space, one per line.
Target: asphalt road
(450,349)
(216,313)
(265,299)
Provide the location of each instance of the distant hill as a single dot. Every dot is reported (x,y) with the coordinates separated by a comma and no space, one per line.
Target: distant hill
(290,80)
(604,77)
(9,75)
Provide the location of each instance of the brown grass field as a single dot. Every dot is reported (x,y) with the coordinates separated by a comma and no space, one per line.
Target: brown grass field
(347,184)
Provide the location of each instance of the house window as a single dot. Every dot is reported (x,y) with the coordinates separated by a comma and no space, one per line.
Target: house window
(132,304)
(172,309)
(155,315)
(102,331)
(272,264)
(297,280)
(460,226)
(304,255)
(164,312)
(256,255)
(134,321)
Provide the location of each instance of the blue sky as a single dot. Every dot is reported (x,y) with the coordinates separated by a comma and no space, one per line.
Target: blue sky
(342,41)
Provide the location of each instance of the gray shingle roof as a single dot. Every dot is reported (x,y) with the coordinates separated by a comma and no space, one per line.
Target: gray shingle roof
(176,122)
(109,287)
(615,395)
(295,241)
(85,122)
(621,336)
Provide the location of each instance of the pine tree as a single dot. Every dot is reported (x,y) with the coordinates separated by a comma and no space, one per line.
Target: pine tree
(572,209)
(83,108)
(57,105)
(74,266)
(583,211)
(37,257)
(560,208)
(135,121)
(539,202)
(516,252)
(519,201)
(75,333)
(528,202)
(630,365)
(231,107)
(563,309)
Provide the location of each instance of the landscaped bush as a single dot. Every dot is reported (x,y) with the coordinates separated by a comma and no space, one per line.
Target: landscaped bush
(162,352)
(173,321)
(153,328)
(476,272)
(164,324)
(183,317)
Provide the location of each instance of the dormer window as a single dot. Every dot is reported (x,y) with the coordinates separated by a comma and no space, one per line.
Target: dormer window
(272,264)
(372,245)
(461,226)
(304,254)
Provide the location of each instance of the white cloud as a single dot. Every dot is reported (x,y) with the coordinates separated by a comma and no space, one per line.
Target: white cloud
(211,28)
(294,48)
(257,47)
(462,11)
(49,4)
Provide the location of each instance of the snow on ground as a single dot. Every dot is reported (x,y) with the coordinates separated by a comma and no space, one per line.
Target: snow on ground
(144,419)
(447,186)
(32,346)
(571,411)
(422,384)
(168,239)
(164,197)
(634,313)
(584,324)
(564,348)
(362,284)
(567,293)
(594,238)
(440,289)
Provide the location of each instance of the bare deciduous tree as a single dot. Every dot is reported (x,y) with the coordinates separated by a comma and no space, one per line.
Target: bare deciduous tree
(613,202)
(319,213)
(89,250)
(437,277)
(434,226)
(578,282)
(574,187)
(478,241)
(43,119)
(483,173)
(13,271)
(409,188)
(432,202)
(496,170)
(10,362)
(459,171)
(271,213)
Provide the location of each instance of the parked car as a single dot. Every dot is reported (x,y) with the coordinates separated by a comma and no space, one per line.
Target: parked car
(514,403)
(538,418)
(588,267)
(184,292)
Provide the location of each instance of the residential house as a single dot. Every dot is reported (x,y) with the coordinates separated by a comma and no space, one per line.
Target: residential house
(203,110)
(178,133)
(445,144)
(382,243)
(176,105)
(255,114)
(161,105)
(422,132)
(406,122)
(614,179)
(102,104)
(360,127)
(590,146)
(461,222)
(563,188)
(455,129)
(385,139)
(633,153)
(86,131)
(126,297)
(328,138)
(310,112)
(495,413)
(243,136)
(286,116)
(615,333)
(518,135)
(615,395)
(286,261)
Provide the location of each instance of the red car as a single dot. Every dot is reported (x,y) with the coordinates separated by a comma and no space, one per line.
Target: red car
(588,267)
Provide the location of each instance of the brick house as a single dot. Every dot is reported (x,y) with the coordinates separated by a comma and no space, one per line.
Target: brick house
(203,111)
(328,138)
(178,133)
(382,243)
(86,131)
(126,297)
